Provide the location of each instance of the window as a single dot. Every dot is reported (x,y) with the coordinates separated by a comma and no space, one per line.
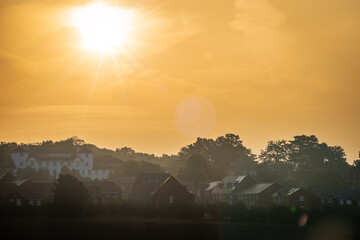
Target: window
(44,164)
(87,164)
(322,200)
(38,202)
(301,198)
(31,202)
(21,164)
(341,201)
(330,200)
(31,163)
(348,201)
(171,199)
(18,202)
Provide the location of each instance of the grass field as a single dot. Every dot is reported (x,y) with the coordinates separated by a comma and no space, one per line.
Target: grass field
(120,228)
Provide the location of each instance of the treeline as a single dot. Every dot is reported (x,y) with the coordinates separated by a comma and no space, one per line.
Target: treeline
(300,161)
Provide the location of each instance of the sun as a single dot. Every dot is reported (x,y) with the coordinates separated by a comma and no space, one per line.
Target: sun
(102,27)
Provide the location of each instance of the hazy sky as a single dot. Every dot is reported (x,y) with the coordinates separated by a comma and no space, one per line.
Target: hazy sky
(263,69)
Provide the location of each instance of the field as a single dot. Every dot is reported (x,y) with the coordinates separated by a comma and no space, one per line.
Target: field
(120,228)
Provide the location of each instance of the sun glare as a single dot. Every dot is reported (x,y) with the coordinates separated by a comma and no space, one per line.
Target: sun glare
(102,27)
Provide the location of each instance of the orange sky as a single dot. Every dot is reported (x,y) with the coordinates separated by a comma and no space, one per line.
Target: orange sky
(263,69)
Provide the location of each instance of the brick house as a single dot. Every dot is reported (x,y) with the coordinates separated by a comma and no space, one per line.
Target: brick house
(294,197)
(103,190)
(146,184)
(171,192)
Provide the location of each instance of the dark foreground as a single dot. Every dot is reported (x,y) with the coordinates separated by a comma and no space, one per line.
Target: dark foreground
(120,228)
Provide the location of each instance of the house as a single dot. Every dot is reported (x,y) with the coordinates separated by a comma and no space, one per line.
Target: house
(146,184)
(103,190)
(258,195)
(171,192)
(223,192)
(208,190)
(80,160)
(294,197)
(8,185)
(37,193)
(7,177)
(15,199)
(125,183)
(27,192)
(330,197)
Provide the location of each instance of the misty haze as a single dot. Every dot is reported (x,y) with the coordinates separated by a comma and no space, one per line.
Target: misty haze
(233,119)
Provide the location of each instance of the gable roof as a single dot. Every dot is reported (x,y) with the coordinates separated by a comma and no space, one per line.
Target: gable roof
(212,185)
(152,181)
(169,184)
(256,188)
(233,178)
(7,177)
(222,188)
(286,191)
(6,188)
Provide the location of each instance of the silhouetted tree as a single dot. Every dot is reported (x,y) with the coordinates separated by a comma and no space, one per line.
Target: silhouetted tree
(132,168)
(64,170)
(70,195)
(226,154)
(5,154)
(197,169)
(277,153)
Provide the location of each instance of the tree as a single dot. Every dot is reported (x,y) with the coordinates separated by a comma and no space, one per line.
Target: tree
(196,170)
(5,153)
(70,195)
(132,168)
(65,170)
(303,153)
(356,163)
(224,155)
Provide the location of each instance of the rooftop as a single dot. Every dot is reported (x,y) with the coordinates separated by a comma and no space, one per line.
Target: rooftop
(256,188)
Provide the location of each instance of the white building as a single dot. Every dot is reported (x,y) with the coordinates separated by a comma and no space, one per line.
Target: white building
(81,161)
